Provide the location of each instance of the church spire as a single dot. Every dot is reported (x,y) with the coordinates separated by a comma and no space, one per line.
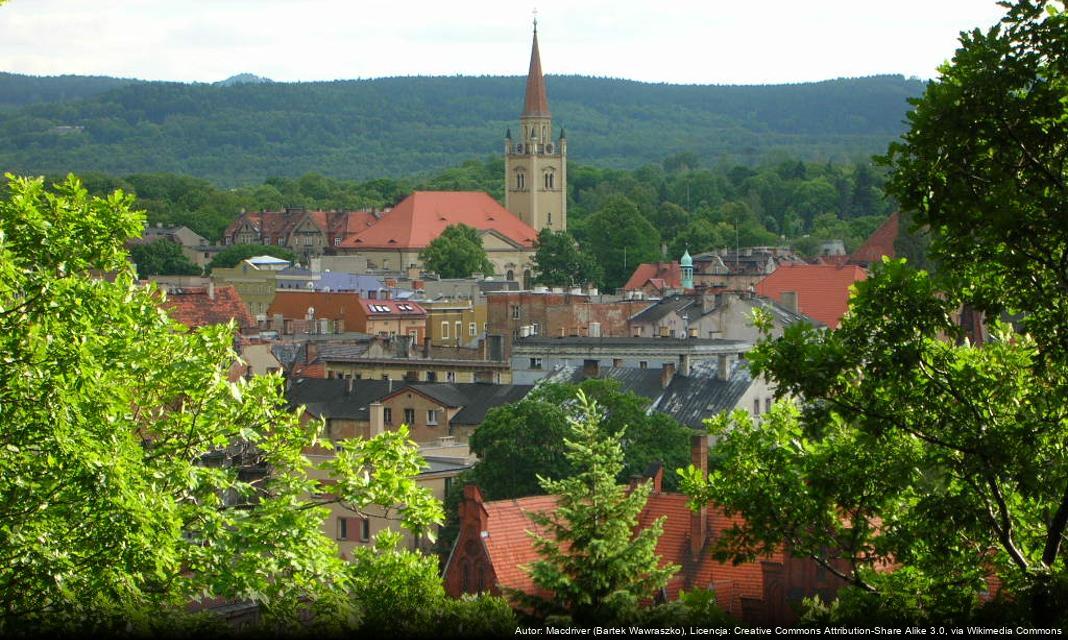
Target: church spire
(537,102)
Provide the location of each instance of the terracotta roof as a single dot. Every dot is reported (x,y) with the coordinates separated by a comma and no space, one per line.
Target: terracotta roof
(663,274)
(422,216)
(536,102)
(293,305)
(879,244)
(193,307)
(822,290)
(509,548)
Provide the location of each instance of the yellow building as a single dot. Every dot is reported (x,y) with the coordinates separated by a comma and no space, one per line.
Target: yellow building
(454,323)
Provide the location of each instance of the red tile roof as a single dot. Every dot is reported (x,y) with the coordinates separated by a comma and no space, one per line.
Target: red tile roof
(879,244)
(422,216)
(193,307)
(822,290)
(509,548)
(663,274)
(332,305)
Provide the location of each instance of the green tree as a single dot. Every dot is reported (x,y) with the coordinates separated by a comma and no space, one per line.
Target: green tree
(956,449)
(137,477)
(456,253)
(233,255)
(401,593)
(162,257)
(518,442)
(558,262)
(621,239)
(592,561)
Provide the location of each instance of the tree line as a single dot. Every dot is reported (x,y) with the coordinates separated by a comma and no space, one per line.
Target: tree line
(362,129)
(619,217)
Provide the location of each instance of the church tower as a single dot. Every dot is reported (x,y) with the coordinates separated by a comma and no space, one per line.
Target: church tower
(535,167)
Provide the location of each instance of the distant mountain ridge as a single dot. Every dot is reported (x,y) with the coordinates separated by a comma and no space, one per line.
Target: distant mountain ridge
(242,132)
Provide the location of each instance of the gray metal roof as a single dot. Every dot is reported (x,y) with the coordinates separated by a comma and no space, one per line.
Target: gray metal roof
(690,399)
(661,309)
(643,382)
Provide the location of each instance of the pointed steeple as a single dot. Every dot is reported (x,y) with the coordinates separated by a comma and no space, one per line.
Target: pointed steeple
(537,101)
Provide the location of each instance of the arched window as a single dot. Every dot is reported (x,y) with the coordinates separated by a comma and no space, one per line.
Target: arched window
(520,180)
(550,180)
(511,275)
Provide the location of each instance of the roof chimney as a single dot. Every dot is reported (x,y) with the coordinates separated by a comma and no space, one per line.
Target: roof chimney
(699,519)
(591,368)
(788,299)
(723,370)
(666,374)
(211,289)
(378,419)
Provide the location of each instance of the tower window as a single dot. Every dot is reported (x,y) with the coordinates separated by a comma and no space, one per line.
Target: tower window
(520,180)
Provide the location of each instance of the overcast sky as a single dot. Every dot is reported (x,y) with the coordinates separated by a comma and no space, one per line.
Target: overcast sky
(701,41)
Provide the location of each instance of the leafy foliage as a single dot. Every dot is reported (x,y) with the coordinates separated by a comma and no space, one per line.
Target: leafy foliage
(592,562)
(233,255)
(621,239)
(518,442)
(558,261)
(162,257)
(456,253)
(137,477)
(914,446)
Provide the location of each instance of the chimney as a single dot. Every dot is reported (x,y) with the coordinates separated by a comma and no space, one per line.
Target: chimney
(666,374)
(591,368)
(723,370)
(699,520)
(350,385)
(788,299)
(311,352)
(684,364)
(211,289)
(426,347)
(378,419)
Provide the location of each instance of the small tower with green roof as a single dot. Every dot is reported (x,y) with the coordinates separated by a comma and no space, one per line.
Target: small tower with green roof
(687,270)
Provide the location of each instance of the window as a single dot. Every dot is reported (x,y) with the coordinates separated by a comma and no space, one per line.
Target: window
(535,363)
(534,328)
(756,406)
(767,405)
(445,330)
(450,376)
(365,529)
(409,416)
(520,180)
(510,276)
(550,180)
(431,376)
(337,241)
(459,330)
(342,529)
(432,417)
(280,241)
(414,335)
(550,218)
(515,312)
(472,329)
(643,365)
(387,415)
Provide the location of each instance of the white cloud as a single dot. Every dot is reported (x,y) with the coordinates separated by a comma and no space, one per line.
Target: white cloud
(707,42)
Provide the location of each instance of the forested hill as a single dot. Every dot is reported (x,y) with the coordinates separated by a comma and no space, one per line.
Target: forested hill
(362,129)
